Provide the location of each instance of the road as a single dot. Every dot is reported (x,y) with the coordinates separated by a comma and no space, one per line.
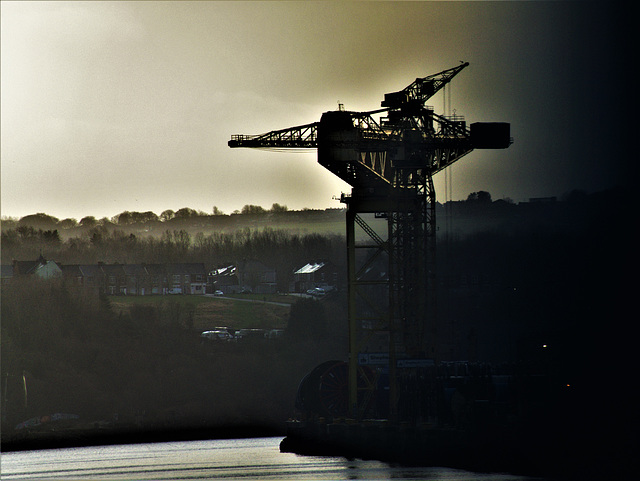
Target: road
(284,304)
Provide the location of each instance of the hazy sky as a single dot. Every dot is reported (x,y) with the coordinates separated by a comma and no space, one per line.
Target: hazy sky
(113,106)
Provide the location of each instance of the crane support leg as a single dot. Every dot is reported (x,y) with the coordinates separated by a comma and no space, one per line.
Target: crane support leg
(353,339)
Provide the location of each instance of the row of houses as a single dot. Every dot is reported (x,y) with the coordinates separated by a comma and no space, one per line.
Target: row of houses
(173,278)
(117,279)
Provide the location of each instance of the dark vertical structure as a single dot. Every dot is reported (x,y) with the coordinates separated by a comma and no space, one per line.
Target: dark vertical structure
(390,164)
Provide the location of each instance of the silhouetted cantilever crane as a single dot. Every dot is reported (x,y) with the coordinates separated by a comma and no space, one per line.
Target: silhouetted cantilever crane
(390,165)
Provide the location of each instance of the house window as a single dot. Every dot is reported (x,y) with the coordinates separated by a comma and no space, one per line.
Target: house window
(112,280)
(176,279)
(199,278)
(186,278)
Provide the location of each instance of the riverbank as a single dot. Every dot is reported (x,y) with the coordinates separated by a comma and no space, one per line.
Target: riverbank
(246,459)
(106,436)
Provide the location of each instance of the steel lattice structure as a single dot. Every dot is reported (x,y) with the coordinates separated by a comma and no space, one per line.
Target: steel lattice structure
(390,164)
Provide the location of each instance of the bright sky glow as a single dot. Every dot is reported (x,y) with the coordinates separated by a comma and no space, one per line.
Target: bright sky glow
(113,106)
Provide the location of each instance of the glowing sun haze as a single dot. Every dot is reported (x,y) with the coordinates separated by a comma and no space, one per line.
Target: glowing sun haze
(113,106)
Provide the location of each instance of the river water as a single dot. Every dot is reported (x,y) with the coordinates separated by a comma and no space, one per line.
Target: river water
(246,459)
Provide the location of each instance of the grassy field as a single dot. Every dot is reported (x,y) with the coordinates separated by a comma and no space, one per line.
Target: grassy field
(211,312)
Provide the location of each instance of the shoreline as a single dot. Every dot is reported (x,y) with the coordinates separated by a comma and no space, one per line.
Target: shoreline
(110,436)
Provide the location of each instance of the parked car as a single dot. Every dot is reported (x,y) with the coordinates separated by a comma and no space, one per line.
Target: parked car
(250,334)
(218,293)
(275,334)
(317,292)
(217,335)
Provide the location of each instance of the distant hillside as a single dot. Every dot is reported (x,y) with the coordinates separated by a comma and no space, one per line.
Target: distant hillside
(329,221)
(455,218)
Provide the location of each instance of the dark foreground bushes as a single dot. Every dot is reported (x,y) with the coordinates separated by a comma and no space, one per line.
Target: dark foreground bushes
(65,351)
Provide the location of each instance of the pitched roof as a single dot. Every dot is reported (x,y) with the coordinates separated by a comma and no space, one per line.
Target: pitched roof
(155,269)
(91,270)
(134,269)
(112,269)
(310,268)
(224,271)
(84,270)
(25,267)
(71,270)
(48,269)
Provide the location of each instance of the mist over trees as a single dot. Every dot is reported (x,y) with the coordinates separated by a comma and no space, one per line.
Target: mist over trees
(277,248)
(286,239)
(509,275)
(186,235)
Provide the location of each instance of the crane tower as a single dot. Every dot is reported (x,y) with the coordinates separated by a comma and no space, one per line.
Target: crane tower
(390,164)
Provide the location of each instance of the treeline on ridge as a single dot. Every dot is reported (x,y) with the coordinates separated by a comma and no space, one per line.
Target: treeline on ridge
(170,217)
(279,237)
(476,204)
